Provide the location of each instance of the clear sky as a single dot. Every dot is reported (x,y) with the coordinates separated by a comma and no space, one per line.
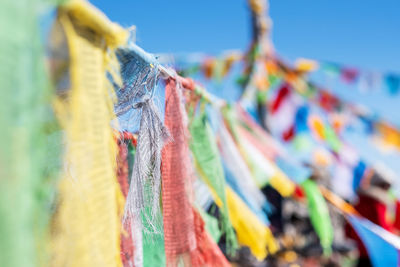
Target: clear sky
(359,32)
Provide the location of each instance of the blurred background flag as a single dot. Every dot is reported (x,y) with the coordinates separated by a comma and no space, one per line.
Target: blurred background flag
(382,246)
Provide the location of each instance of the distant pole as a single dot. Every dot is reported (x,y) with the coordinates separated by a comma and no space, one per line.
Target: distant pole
(261,25)
(261,48)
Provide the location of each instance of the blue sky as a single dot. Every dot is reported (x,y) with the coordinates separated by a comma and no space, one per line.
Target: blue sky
(359,32)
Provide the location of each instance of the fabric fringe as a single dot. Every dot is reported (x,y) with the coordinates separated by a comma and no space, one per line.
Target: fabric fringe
(135,100)
(146,176)
(147,164)
(153,244)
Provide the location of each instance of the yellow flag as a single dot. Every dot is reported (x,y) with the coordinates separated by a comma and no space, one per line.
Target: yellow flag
(251,232)
(86,228)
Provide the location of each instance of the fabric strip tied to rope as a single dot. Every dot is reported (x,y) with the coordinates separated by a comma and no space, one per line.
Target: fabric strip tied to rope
(177,178)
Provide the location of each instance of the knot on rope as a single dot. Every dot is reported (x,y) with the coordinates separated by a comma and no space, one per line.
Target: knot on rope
(143,101)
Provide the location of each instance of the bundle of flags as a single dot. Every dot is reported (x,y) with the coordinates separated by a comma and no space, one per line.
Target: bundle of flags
(220,66)
(298,76)
(139,185)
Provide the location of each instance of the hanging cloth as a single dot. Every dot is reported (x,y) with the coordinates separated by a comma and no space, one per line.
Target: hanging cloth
(153,243)
(179,232)
(143,201)
(207,252)
(319,214)
(208,162)
(260,172)
(29,136)
(250,230)
(186,241)
(247,198)
(127,249)
(264,171)
(239,176)
(272,150)
(237,159)
(137,112)
(211,225)
(87,225)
